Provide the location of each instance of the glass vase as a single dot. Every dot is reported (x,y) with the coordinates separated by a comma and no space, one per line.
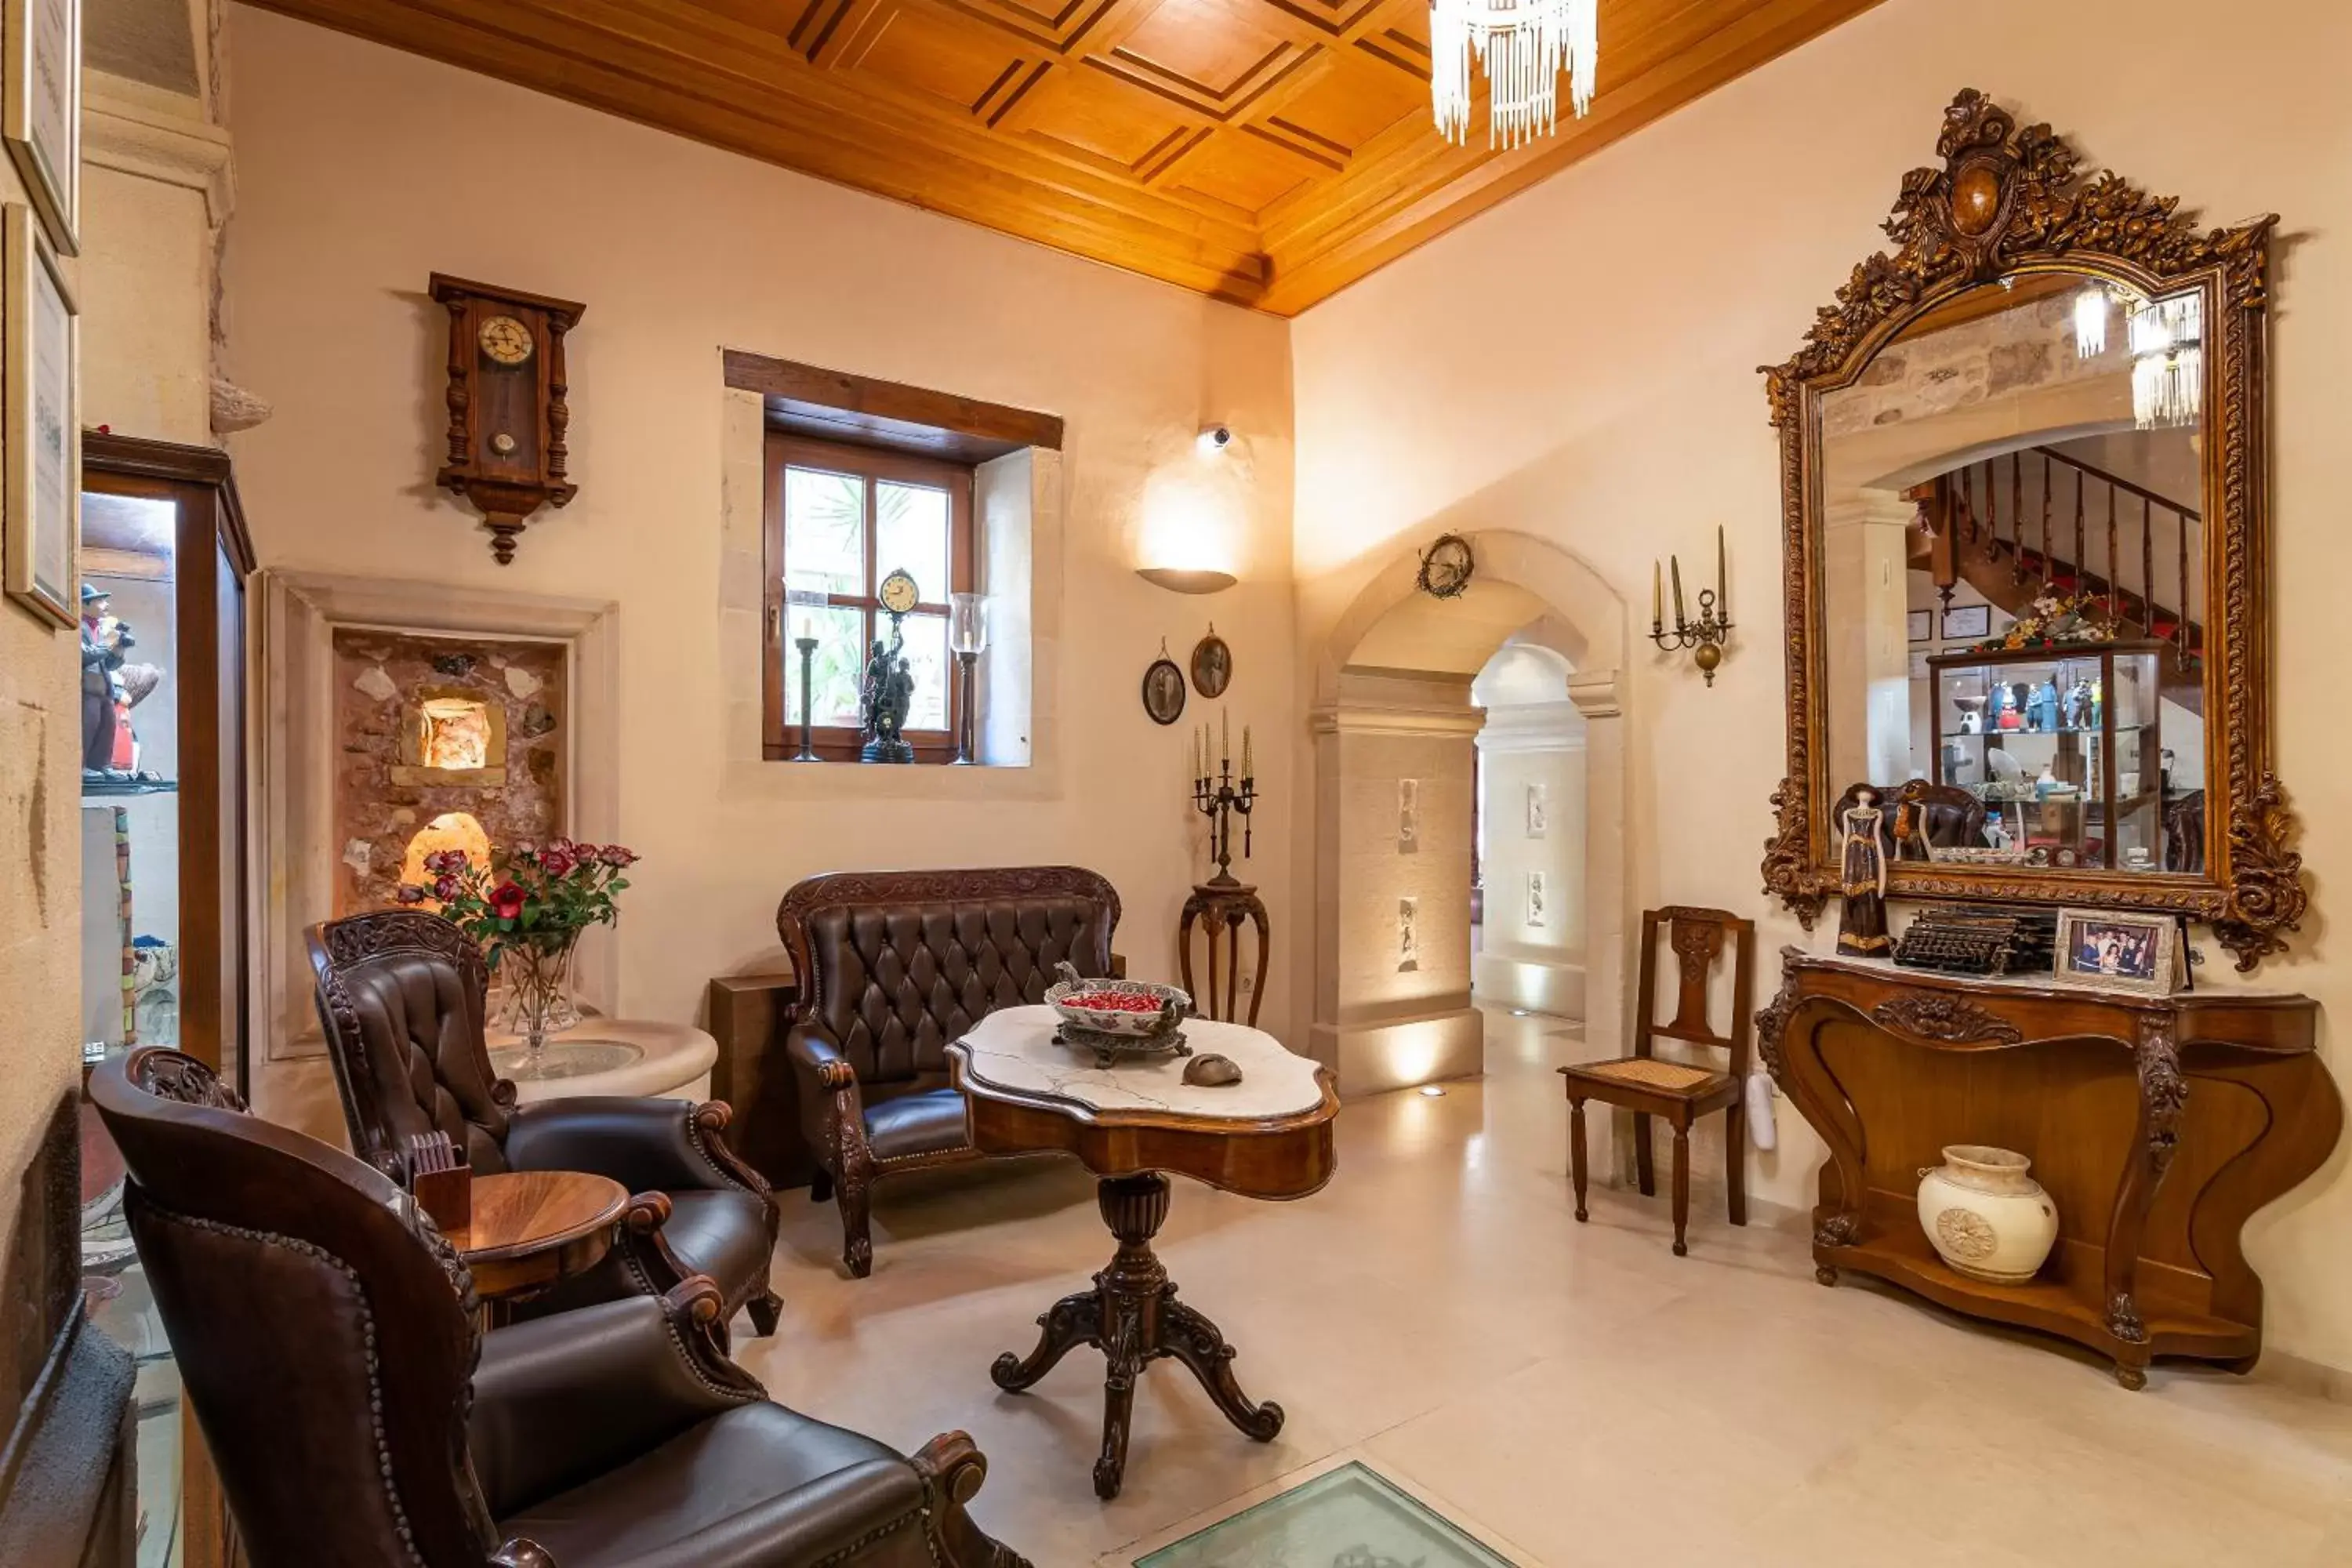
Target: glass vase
(537,976)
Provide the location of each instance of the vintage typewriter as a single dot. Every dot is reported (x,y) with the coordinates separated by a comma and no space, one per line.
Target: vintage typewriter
(1975,939)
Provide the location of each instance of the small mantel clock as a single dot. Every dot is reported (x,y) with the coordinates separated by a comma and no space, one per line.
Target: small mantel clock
(507,411)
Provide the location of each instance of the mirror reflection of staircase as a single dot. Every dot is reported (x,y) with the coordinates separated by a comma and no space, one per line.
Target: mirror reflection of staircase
(2040,521)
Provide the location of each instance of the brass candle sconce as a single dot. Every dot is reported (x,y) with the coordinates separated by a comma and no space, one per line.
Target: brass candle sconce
(1704,636)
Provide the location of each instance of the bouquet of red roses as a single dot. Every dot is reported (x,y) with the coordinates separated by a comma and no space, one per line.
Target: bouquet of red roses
(536,896)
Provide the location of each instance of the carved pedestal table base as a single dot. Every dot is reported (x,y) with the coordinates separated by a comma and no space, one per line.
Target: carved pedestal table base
(1132,1316)
(2157,1124)
(1268,1136)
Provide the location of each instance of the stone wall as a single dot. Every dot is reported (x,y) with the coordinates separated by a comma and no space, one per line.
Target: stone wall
(380,679)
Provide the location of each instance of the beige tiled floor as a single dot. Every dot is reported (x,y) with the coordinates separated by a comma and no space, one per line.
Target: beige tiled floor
(1576,1393)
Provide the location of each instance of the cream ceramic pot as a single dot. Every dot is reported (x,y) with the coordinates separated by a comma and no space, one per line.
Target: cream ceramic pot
(1985,1216)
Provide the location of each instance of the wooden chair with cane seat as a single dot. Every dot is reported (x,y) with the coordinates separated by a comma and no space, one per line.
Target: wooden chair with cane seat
(1678,1091)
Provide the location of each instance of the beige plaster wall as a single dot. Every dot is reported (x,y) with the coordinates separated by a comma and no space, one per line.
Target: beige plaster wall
(1618,413)
(361,170)
(142,283)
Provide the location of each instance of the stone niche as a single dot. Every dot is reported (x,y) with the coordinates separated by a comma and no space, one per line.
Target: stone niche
(441,742)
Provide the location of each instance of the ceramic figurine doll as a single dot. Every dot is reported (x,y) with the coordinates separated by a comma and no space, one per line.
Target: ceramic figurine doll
(2008,717)
(2041,712)
(1862,881)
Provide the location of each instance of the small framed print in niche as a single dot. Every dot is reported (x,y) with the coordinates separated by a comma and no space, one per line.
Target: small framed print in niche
(1408,816)
(1535,901)
(1538,811)
(1920,625)
(2107,950)
(1968,622)
(40,502)
(1408,934)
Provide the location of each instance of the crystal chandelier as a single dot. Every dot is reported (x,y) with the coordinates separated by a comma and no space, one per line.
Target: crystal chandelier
(2091,323)
(1523,45)
(2167,340)
(2167,347)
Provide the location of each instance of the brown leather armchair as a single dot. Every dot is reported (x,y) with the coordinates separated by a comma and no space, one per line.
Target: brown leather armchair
(326,1335)
(893,965)
(401,996)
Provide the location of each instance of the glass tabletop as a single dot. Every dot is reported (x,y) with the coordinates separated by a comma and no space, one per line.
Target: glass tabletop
(1347,1517)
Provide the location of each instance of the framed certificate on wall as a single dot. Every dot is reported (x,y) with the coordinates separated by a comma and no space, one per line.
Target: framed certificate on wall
(40,501)
(40,112)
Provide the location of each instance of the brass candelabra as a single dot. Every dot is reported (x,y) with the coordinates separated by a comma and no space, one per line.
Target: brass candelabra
(1219,796)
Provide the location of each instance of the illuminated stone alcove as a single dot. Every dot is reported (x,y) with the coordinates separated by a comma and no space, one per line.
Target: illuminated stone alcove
(450,736)
(450,830)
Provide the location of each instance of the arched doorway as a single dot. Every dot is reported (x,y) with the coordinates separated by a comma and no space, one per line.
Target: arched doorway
(1395,731)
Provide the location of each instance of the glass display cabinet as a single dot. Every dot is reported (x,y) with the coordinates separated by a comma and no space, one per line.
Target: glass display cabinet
(164,563)
(2062,745)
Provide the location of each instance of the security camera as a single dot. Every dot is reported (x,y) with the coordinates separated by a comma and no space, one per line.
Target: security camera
(1215,437)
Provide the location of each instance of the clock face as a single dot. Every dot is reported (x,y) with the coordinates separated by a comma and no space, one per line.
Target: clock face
(898,593)
(505,340)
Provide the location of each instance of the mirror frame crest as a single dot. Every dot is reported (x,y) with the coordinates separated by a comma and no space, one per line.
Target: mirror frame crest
(2008,201)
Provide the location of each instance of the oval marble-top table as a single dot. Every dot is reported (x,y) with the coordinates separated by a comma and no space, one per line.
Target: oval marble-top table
(1268,1136)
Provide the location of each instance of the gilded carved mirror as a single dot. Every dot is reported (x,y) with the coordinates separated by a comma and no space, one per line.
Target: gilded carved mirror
(2022,472)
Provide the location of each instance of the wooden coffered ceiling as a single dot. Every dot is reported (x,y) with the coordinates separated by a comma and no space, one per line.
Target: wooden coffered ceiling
(1265,152)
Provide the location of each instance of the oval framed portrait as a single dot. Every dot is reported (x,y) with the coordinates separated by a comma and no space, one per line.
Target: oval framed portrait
(1212,665)
(1163,690)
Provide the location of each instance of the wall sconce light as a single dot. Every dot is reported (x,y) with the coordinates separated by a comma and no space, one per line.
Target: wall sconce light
(1705,637)
(1188,580)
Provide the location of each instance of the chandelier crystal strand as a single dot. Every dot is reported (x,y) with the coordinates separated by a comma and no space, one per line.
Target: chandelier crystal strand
(2167,360)
(1523,46)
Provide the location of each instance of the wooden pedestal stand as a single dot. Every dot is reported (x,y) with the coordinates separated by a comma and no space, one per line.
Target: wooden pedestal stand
(1220,905)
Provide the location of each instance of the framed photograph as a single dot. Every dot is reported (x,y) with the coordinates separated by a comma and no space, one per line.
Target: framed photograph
(1535,901)
(2102,950)
(40,502)
(1922,625)
(1163,690)
(1920,671)
(1968,622)
(40,112)
(1213,665)
(1408,816)
(1408,934)
(1538,810)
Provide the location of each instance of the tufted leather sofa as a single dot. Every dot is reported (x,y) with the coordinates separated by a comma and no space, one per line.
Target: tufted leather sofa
(356,1413)
(401,996)
(892,966)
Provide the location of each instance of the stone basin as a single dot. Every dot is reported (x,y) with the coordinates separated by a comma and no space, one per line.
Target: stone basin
(611,1055)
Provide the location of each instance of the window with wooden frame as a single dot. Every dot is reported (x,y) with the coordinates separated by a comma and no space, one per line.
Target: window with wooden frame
(840,519)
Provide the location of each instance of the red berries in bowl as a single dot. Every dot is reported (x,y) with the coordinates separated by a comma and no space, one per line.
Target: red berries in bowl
(1113,1002)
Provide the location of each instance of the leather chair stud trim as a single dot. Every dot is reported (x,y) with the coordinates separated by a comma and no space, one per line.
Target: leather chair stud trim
(318,1254)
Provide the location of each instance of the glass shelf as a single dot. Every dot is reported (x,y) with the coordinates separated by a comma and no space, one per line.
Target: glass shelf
(102,792)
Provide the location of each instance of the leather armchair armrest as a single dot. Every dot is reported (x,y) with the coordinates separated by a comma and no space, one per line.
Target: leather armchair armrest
(643,1143)
(562,1399)
(831,1102)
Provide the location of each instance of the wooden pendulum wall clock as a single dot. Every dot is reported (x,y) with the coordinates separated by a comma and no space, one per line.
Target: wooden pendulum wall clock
(507,411)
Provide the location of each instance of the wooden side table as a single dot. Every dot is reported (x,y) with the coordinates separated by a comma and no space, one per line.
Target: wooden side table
(2158,1125)
(1220,906)
(532,1228)
(1268,1136)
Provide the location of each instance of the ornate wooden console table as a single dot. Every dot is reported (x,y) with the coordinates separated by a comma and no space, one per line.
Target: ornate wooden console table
(2159,1124)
